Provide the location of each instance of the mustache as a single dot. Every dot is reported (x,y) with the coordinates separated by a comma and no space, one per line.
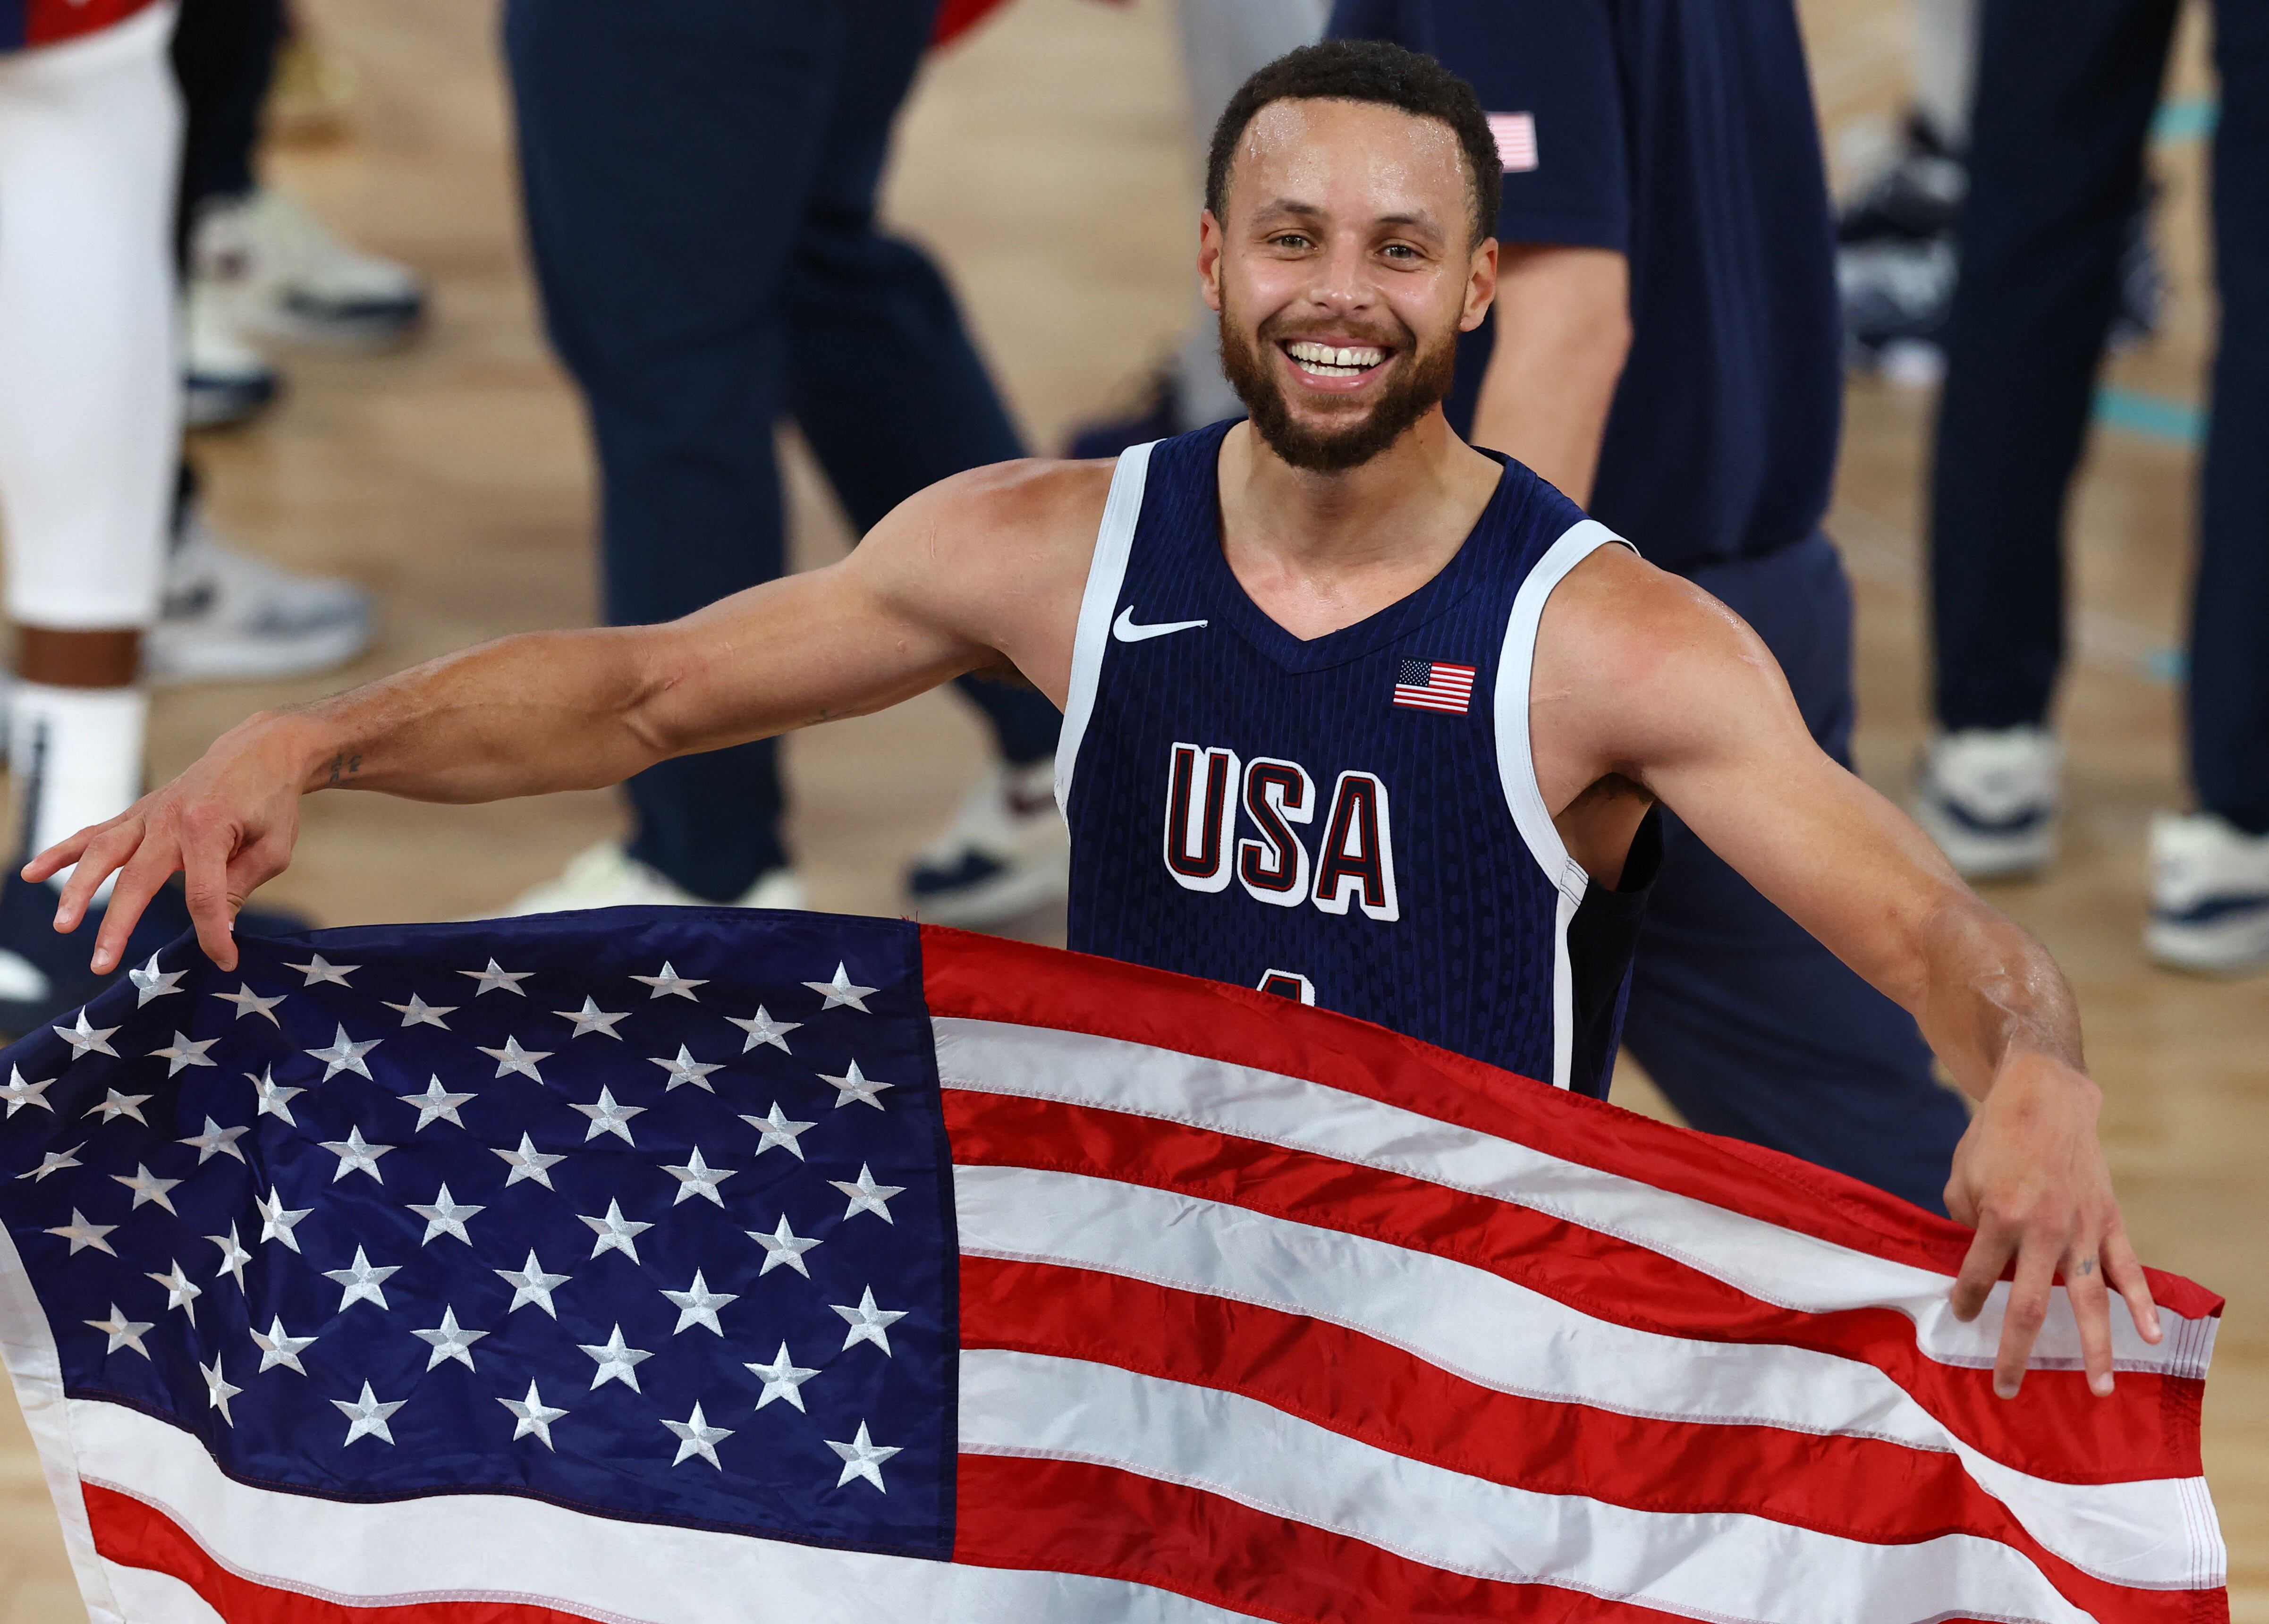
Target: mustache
(1281,329)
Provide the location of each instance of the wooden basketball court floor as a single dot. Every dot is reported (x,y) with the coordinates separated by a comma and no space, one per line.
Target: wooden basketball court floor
(1045,160)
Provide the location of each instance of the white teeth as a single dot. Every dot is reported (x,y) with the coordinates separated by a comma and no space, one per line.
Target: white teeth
(1331,362)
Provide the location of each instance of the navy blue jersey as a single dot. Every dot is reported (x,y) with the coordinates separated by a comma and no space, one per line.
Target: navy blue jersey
(1354,819)
(1683,135)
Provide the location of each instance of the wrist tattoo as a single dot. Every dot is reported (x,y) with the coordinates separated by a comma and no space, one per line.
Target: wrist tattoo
(343,765)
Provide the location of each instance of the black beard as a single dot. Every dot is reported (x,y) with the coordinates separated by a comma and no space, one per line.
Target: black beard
(1423,380)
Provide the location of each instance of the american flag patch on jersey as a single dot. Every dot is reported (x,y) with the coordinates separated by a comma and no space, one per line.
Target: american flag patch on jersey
(1429,685)
(1516,140)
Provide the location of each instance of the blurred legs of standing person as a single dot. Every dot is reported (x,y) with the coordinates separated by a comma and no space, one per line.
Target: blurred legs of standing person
(2066,96)
(1223,43)
(701,193)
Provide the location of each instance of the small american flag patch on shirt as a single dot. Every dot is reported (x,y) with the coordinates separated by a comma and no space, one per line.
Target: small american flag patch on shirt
(1516,140)
(1429,685)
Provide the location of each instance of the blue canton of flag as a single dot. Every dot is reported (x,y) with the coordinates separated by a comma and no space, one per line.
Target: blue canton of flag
(581,1208)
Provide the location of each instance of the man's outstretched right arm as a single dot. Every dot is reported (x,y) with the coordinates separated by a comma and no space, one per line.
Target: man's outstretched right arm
(955,579)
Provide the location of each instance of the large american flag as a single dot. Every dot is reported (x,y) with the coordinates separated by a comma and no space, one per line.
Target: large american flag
(683,1265)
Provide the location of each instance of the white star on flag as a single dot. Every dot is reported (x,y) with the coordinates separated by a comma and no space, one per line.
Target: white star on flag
(418,1012)
(868,1323)
(531,1285)
(219,1392)
(696,1436)
(122,1331)
(319,969)
(85,1040)
(617,1361)
(356,1156)
(147,1186)
(445,1216)
(181,1053)
(852,1087)
(54,1162)
(20,1093)
(491,979)
(685,1068)
(115,1106)
(840,991)
(670,984)
(216,1140)
(616,1232)
(276,1222)
(512,1058)
(862,1458)
(591,1018)
(528,1162)
(783,1378)
(698,1305)
(450,1340)
(249,1002)
(765,1029)
(367,1417)
(697,1177)
(867,1196)
(361,1283)
(181,1291)
(532,1415)
(278,1346)
(783,1248)
(776,1129)
(150,981)
(345,1055)
(608,1118)
(234,1257)
(82,1235)
(274,1098)
(436,1101)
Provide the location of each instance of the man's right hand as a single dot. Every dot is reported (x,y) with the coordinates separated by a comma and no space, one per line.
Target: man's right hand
(228,824)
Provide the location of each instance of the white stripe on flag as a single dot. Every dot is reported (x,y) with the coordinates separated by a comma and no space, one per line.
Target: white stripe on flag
(502,1548)
(1773,1265)
(1488,1331)
(1719,1566)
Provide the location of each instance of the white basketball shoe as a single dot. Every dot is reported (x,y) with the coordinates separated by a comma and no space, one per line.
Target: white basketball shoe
(1991,798)
(2209,894)
(607,876)
(1006,853)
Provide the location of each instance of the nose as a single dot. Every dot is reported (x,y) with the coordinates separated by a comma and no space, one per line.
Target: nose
(1343,282)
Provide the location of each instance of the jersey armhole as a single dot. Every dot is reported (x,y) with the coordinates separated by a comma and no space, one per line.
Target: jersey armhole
(1516,767)
(1106,573)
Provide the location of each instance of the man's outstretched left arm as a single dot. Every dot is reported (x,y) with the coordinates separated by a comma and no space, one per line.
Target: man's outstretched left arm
(1643,675)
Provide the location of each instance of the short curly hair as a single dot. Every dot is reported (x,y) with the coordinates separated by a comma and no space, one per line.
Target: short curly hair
(1366,70)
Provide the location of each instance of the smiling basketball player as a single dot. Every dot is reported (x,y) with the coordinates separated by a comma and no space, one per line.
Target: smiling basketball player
(1352,711)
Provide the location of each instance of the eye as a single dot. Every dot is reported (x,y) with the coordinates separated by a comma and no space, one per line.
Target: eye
(1400,250)
(1289,240)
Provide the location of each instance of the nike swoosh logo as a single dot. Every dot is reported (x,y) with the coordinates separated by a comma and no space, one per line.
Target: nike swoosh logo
(1126,631)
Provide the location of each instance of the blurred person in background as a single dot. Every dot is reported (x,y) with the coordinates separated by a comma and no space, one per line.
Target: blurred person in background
(2065,93)
(700,183)
(1665,348)
(90,128)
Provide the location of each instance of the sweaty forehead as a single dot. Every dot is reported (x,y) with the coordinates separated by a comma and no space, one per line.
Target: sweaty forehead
(1359,157)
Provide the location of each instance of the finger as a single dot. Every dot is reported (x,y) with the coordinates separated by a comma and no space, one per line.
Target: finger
(1981,1267)
(2091,1307)
(212,910)
(2123,1271)
(2027,1313)
(137,882)
(61,856)
(108,851)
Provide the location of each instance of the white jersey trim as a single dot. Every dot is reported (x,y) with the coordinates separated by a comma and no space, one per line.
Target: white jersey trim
(1516,768)
(1106,573)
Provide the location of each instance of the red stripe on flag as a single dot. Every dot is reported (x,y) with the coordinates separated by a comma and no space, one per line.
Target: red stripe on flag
(129,1531)
(2061,1431)
(984,978)
(1067,1516)
(1851,1488)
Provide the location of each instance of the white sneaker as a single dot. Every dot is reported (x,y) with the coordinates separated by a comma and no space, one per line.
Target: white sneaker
(231,616)
(607,876)
(2209,894)
(308,286)
(1007,852)
(223,379)
(1990,797)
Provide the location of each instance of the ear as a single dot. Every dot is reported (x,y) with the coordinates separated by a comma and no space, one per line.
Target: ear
(1480,286)
(1210,240)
